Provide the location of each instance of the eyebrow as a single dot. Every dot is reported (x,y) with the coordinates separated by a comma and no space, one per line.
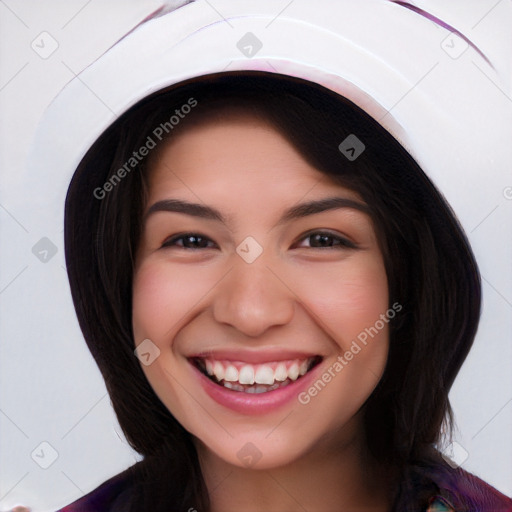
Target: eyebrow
(295,212)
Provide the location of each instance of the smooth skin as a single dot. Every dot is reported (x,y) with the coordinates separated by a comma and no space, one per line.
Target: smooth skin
(198,294)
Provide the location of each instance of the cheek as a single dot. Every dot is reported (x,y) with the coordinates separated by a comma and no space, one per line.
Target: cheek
(347,299)
(162,297)
(349,303)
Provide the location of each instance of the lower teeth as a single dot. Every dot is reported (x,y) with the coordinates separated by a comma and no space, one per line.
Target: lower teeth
(255,389)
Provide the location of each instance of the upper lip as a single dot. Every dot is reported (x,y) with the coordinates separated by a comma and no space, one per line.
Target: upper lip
(260,356)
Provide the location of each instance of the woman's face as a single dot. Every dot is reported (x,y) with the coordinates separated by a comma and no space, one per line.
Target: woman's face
(257,270)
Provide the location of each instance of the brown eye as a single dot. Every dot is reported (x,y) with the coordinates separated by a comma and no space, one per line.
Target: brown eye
(326,240)
(188,241)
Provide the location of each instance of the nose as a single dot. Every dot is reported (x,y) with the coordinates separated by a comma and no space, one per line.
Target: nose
(252,298)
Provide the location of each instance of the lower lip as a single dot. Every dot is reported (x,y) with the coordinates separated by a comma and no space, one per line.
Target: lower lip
(256,403)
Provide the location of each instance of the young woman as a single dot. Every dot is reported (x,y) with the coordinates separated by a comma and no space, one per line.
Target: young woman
(278,315)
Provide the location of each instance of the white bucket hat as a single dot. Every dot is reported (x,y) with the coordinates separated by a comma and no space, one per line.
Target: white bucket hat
(434,89)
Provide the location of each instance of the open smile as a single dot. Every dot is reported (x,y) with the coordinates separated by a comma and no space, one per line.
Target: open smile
(255,387)
(255,378)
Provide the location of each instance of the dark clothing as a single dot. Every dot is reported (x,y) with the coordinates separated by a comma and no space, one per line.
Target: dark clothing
(459,491)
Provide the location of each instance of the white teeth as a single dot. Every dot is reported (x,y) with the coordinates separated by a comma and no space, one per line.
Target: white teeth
(280,373)
(246,375)
(293,371)
(264,375)
(231,374)
(218,370)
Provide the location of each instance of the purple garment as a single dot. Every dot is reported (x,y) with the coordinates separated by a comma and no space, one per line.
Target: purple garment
(459,491)
(113,495)
(465,492)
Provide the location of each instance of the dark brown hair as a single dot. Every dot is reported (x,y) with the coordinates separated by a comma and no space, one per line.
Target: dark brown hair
(430,268)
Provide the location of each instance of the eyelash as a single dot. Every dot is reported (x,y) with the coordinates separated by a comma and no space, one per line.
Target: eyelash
(343,243)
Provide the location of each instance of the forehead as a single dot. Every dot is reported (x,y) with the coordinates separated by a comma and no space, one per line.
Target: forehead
(231,145)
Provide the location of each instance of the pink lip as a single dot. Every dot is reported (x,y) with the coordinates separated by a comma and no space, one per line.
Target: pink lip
(257,403)
(256,357)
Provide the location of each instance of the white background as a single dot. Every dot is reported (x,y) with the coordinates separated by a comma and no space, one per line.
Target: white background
(50,388)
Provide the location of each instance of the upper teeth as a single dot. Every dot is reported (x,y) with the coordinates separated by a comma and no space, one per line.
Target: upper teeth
(267,373)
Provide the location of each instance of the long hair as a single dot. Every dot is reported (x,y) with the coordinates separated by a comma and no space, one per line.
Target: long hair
(430,268)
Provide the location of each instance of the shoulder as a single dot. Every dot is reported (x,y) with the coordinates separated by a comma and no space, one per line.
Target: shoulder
(460,490)
(480,494)
(433,485)
(115,494)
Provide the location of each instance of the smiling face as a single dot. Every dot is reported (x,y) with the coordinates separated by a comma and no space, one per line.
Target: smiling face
(269,315)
